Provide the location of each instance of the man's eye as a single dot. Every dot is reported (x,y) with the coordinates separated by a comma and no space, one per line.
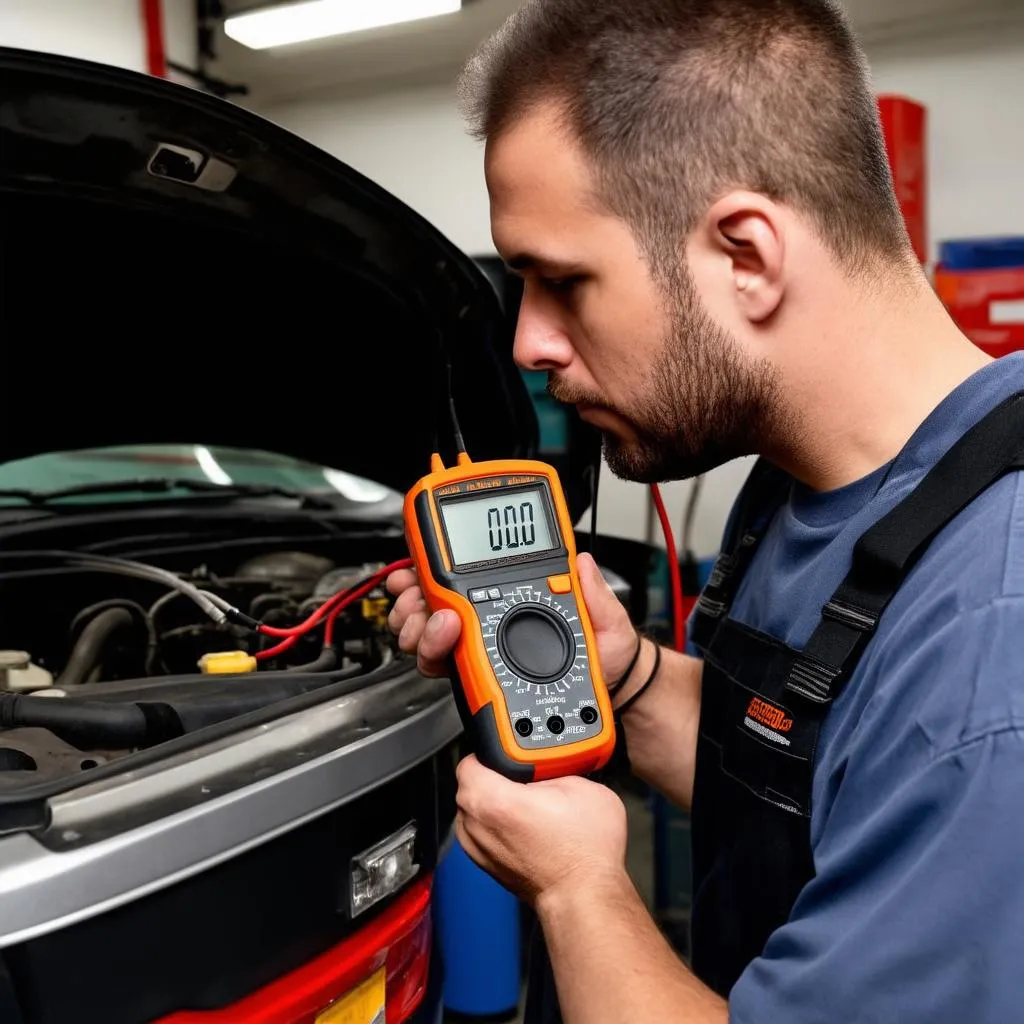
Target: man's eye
(561,284)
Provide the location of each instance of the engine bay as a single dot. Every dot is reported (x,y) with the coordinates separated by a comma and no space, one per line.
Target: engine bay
(102,656)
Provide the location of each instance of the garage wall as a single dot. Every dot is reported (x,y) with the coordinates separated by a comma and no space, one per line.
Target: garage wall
(972,88)
(413,143)
(107,31)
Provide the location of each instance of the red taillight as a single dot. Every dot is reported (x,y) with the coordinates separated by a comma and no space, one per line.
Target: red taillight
(408,968)
(398,939)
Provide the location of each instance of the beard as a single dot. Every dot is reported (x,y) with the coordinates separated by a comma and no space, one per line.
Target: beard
(702,403)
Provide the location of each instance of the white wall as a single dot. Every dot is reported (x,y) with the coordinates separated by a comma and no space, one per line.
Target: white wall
(413,143)
(973,89)
(107,31)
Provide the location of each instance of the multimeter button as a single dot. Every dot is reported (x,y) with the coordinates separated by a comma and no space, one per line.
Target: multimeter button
(524,727)
(478,595)
(494,593)
(556,725)
(559,584)
(588,715)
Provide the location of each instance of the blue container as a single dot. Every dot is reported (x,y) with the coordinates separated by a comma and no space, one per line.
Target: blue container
(982,253)
(478,930)
(659,586)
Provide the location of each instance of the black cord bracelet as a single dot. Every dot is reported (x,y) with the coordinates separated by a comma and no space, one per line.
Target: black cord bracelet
(627,704)
(622,680)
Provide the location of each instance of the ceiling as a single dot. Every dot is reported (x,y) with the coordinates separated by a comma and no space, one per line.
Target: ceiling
(432,50)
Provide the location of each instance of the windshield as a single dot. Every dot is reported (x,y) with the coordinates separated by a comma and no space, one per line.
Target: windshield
(227,467)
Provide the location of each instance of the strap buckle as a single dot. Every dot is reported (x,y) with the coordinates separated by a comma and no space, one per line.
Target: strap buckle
(721,570)
(850,615)
(812,679)
(710,608)
(726,563)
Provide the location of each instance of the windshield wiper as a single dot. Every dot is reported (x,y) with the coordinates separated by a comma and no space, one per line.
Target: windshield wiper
(165,485)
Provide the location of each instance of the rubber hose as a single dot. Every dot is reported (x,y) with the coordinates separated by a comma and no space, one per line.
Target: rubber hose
(325,661)
(93,723)
(85,655)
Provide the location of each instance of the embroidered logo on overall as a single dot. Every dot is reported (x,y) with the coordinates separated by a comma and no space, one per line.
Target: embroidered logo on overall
(768,721)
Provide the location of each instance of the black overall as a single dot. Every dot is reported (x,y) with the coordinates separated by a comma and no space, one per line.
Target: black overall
(763,703)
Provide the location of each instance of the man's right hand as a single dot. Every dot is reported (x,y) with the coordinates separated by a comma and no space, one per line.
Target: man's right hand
(432,638)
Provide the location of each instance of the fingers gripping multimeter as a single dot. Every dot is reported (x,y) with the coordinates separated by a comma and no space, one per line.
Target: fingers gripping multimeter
(493,541)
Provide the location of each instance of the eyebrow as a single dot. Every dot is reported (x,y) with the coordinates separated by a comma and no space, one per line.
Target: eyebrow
(532,261)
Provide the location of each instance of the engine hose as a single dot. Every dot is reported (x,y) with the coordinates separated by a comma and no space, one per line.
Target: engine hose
(88,649)
(91,723)
(121,726)
(325,661)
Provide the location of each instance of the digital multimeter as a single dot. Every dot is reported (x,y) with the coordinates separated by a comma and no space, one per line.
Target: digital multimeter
(493,541)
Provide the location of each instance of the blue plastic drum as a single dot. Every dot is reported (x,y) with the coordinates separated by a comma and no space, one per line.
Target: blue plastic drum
(478,930)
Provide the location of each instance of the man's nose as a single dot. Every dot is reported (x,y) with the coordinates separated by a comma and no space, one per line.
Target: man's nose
(541,342)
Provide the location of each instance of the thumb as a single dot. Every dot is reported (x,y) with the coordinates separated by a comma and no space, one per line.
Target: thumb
(607,614)
(616,638)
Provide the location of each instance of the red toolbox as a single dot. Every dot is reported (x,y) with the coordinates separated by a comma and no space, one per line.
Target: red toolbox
(904,123)
(981,283)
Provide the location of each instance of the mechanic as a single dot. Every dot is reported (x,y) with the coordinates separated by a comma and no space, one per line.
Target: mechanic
(697,195)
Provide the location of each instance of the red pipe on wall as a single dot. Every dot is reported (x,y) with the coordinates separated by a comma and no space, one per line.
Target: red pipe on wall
(153,26)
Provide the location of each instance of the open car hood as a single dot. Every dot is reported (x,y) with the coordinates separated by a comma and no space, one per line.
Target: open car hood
(179,270)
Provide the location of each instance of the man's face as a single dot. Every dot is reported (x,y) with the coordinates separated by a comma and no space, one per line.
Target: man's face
(641,360)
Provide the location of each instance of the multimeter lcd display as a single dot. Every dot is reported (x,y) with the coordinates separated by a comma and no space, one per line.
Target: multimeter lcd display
(498,526)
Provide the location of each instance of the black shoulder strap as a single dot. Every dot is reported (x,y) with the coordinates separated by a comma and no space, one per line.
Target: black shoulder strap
(885,554)
(763,491)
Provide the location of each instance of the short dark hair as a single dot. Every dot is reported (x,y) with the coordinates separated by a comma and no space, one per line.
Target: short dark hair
(676,101)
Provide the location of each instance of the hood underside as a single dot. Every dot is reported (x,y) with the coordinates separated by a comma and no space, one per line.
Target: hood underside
(178,270)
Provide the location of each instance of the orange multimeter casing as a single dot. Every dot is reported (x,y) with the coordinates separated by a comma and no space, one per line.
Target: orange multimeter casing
(493,541)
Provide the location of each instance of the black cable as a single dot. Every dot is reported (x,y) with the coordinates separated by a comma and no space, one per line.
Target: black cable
(460,444)
(594,490)
(191,629)
(326,660)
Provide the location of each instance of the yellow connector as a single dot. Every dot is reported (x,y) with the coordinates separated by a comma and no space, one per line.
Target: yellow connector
(375,610)
(227,662)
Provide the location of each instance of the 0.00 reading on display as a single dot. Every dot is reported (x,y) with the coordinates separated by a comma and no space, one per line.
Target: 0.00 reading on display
(508,536)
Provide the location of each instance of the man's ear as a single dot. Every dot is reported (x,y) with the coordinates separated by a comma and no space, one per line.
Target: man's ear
(746,228)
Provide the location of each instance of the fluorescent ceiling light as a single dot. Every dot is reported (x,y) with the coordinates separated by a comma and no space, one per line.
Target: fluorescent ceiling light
(317,19)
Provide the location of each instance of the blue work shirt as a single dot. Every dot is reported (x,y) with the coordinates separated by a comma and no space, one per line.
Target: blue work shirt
(916,910)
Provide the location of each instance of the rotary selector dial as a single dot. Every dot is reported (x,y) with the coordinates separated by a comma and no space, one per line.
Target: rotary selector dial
(535,641)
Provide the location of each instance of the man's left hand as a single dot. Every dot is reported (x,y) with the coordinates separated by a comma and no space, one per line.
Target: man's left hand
(538,837)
